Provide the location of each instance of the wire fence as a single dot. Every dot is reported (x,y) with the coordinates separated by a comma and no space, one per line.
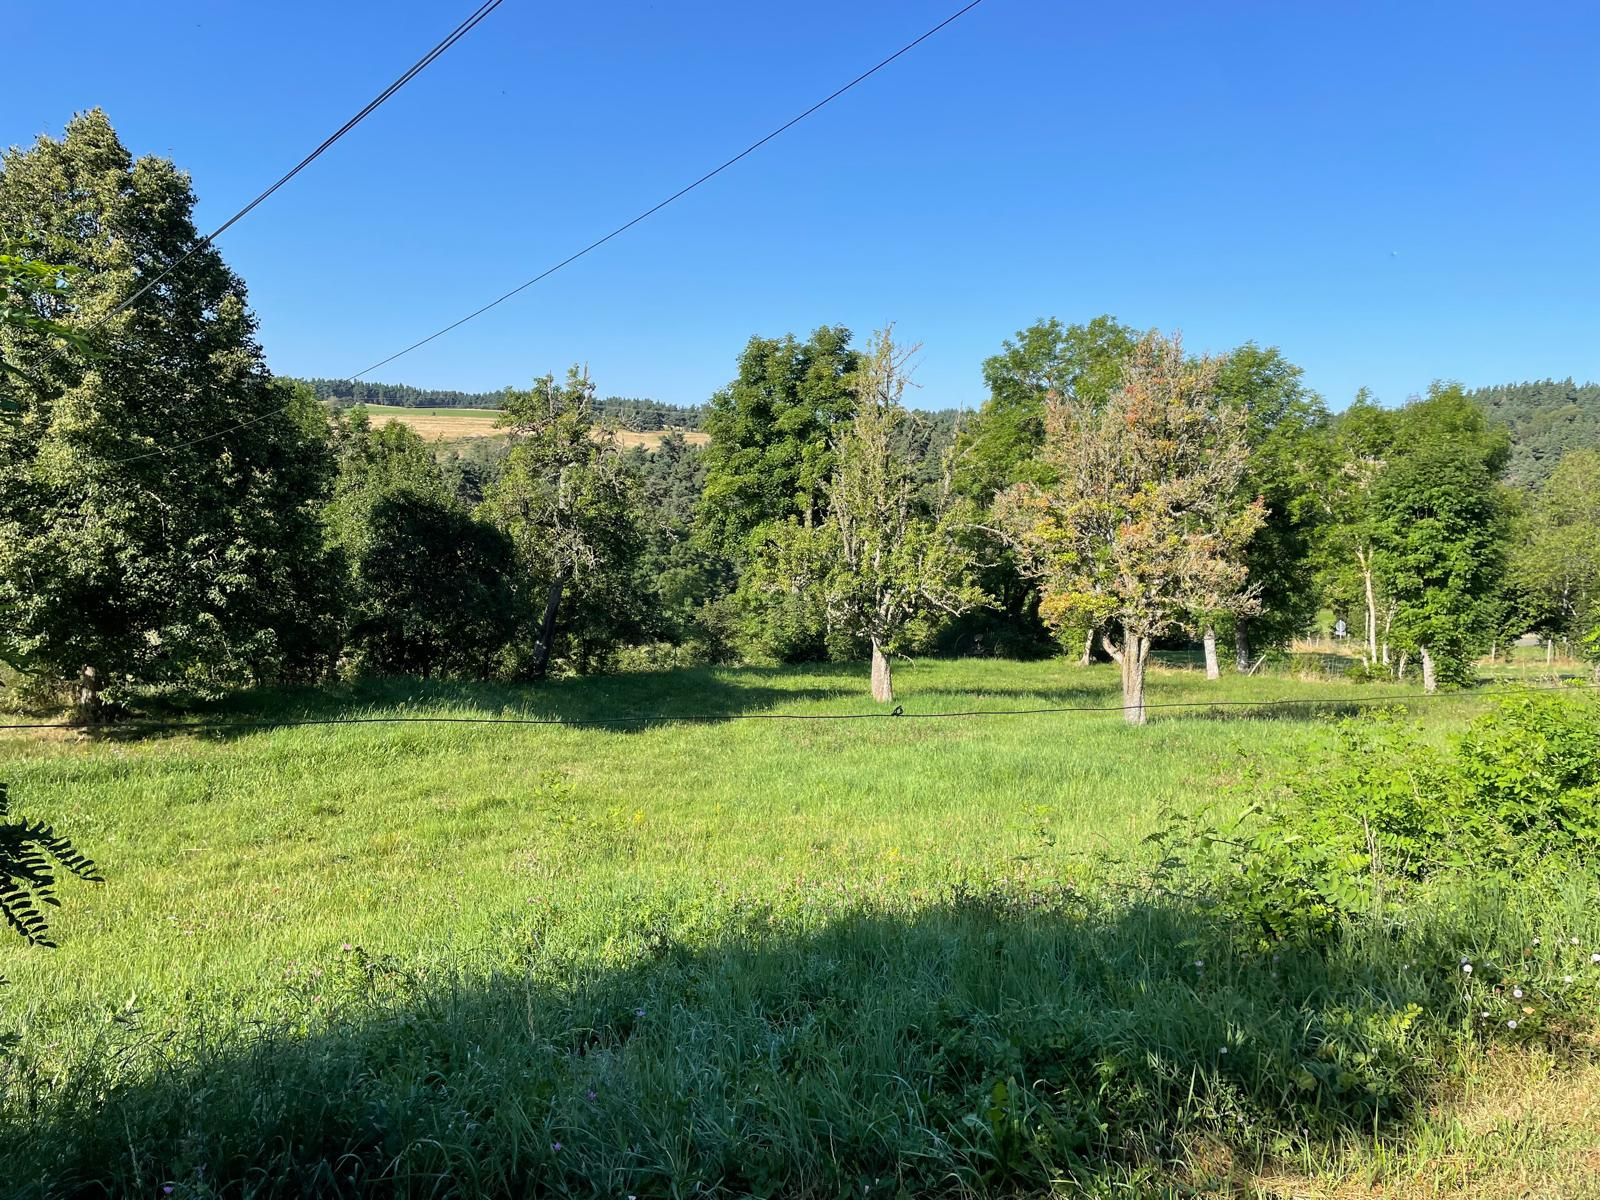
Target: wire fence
(899,712)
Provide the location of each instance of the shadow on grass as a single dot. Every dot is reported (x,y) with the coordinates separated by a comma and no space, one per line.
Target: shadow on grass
(981,1044)
(611,702)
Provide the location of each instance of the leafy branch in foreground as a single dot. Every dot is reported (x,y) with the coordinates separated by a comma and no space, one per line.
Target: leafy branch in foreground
(30,854)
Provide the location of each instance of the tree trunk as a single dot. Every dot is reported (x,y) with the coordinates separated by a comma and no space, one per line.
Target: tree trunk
(1405,657)
(1494,645)
(1372,608)
(1241,646)
(547,628)
(1549,650)
(1430,678)
(1088,650)
(1210,639)
(882,675)
(87,701)
(1131,658)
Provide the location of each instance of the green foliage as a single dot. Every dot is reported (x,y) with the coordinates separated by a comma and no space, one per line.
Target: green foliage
(30,854)
(566,500)
(1555,566)
(1286,429)
(1001,445)
(1360,834)
(769,457)
(1440,528)
(1547,420)
(160,499)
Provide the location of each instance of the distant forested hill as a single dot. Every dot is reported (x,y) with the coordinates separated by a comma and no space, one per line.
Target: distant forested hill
(640,415)
(1546,420)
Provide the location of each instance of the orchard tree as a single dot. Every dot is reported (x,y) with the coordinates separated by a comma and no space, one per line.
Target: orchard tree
(884,564)
(1000,445)
(1144,523)
(1440,521)
(770,455)
(160,494)
(566,499)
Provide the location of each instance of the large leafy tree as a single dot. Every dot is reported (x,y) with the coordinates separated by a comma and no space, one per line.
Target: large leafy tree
(566,498)
(886,561)
(1440,522)
(160,497)
(1001,444)
(431,591)
(1285,425)
(770,456)
(1144,521)
(1556,565)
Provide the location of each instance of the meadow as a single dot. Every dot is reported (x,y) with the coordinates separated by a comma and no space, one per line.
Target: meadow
(723,954)
(464,424)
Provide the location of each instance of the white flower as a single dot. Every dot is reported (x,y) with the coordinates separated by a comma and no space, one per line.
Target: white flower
(1566,979)
(1466,968)
(1535,941)
(1486,1014)
(1516,993)
(1574,941)
(1511,1024)
(1224,1050)
(1594,958)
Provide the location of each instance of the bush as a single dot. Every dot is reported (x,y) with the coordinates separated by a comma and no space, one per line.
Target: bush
(1349,839)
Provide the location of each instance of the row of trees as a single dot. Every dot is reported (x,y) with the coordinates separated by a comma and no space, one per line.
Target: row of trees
(171,513)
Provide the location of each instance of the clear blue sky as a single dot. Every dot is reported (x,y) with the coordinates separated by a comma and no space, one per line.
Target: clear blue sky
(1391,192)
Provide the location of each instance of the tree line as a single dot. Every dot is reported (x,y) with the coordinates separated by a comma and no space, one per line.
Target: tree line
(172,515)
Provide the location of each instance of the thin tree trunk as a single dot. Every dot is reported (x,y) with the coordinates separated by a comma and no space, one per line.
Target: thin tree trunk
(1494,645)
(1405,657)
(882,675)
(1210,639)
(1372,608)
(1088,650)
(87,700)
(547,628)
(1549,650)
(1430,678)
(1241,646)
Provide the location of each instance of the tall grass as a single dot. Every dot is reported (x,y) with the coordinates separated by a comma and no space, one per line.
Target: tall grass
(733,957)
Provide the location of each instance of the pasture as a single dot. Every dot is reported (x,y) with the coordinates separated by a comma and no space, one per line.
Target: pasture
(723,955)
(465,424)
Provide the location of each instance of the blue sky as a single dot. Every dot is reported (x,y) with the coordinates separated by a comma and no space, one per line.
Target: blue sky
(1391,192)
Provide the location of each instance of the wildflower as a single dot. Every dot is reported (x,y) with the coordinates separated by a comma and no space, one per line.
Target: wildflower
(1466,968)
(1535,941)
(638,1012)
(345,947)
(1594,958)
(1199,962)
(592,1095)
(1516,993)
(1485,1014)
(1566,979)
(1574,941)
(1224,1050)
(557,1145)
(1511,1024)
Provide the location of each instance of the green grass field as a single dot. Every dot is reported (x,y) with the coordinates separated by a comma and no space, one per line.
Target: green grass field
(714,956)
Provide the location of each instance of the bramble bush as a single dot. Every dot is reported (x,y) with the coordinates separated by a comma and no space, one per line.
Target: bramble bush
(1357,834)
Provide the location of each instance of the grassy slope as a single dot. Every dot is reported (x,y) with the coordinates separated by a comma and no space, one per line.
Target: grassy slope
(239,867)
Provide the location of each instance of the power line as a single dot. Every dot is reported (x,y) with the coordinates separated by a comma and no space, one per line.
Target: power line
(598,242)
(898,713)
(416,68)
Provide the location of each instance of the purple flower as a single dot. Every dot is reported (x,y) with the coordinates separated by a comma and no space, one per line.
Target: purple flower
(555,1145)
(592,1095)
